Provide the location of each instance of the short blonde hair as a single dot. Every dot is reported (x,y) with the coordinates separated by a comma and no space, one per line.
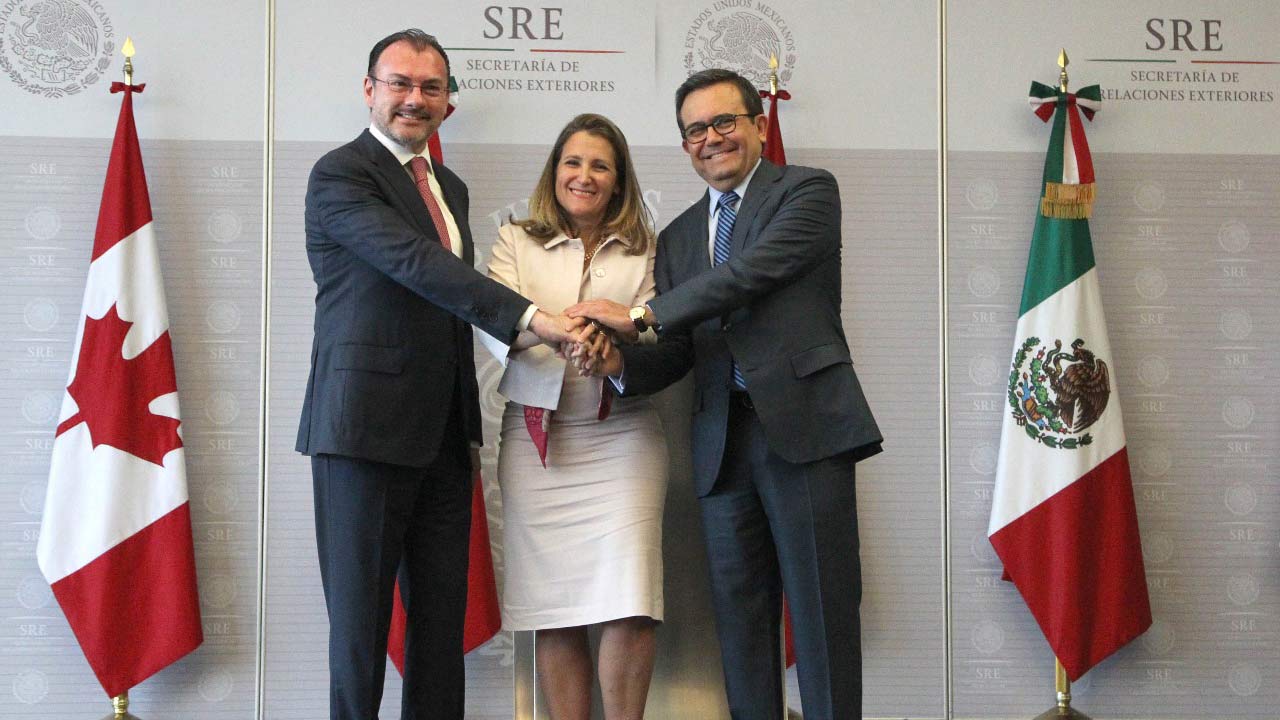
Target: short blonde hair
(626,215)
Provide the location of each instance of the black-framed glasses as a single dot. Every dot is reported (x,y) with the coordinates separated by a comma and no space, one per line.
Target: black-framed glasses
(723,124)
(399,86)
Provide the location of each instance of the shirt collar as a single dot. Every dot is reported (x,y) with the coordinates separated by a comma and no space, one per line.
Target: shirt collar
(741,189)
(403,154)
(561,237)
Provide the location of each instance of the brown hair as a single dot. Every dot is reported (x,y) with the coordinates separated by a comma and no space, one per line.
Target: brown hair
(626,215)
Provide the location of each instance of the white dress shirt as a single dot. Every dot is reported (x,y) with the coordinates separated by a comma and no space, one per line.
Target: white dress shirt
(404,156)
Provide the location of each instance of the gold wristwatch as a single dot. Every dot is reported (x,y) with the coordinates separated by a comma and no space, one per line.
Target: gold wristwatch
(637,314)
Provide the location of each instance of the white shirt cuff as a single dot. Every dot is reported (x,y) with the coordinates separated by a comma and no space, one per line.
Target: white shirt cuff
(526,318)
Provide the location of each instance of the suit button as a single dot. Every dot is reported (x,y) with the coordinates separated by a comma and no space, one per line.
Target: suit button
(727,327)
(599,272)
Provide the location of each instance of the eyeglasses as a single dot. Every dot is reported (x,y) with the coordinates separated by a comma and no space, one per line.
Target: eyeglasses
(723,124)
(404,87)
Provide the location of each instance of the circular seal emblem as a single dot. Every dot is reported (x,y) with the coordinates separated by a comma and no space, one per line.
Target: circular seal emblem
(741,36)
(1243,590)
(30,687)
(1054,395)
(222,408)
(1244,679)
(1235,323)
(40,407)
(983,458)
(1154,459)
(216,685)
(982,194)
(1159,638)
(220,498)
(34,593)
(31,497)
(982,550)
(988,637)
(55,48)
(224,226)
(1151,283)
(1148,196)
(984,370)
(1237,412)
(218,591)
(43,223)
(1157,549)
(983,281)
(40,314)
(1241,499)
(222,316)
(1233,236)
(1153,371)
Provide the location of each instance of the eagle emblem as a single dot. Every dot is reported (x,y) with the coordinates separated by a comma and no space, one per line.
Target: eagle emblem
(1056,395)
(55,48)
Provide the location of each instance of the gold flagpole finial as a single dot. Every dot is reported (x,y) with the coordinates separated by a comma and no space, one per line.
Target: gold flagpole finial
(773,74)
(128,53)
(1062,74)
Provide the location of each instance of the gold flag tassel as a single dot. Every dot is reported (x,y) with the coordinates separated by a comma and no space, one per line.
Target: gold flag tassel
(1069,202)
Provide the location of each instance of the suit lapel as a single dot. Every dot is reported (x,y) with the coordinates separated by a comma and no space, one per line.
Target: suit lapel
(701,217)
(399,179)
(762,184)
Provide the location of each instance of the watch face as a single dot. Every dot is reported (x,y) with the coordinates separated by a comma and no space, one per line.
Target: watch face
(637,317)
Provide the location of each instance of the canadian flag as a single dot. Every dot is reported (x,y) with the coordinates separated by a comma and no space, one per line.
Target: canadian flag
(115,538)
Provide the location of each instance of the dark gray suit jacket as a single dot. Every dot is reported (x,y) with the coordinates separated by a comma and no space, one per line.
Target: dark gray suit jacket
(392,349)
(774,306)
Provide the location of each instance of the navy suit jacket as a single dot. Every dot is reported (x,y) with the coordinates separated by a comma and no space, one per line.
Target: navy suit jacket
(774,306)
(392,350)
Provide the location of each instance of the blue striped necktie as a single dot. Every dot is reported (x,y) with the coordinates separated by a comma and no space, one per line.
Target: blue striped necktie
(724,239)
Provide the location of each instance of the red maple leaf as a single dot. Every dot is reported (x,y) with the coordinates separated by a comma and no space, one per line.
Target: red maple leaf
(113,393)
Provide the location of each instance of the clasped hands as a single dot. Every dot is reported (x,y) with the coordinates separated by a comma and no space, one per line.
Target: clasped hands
(587,335)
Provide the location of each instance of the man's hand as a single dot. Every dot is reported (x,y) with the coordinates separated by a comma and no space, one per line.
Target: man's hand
(553,329)
(608,313)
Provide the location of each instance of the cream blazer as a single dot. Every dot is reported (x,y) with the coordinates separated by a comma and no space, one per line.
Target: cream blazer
(549,273)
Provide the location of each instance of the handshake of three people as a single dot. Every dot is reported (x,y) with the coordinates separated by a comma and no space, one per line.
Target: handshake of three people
(586,335)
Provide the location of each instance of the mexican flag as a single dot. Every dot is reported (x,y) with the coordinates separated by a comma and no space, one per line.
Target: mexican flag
(1063,519)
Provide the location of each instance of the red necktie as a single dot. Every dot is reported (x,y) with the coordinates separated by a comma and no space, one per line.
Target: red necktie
(421,172)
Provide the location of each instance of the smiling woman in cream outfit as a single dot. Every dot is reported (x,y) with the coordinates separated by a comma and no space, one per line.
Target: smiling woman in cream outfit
(583,535)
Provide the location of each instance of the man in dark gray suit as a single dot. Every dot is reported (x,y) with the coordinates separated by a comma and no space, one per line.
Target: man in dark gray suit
(749,297)
(392,405)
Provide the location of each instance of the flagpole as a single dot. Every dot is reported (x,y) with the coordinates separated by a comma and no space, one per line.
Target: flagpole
(1063,709)
(1061,682)
(120,703)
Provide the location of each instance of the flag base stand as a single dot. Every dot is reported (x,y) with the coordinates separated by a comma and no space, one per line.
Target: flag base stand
(121,705)
(1059,712)
(1063,710)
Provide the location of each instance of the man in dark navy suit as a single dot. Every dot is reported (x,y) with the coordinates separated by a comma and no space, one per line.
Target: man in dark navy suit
(749,298)
(392,405)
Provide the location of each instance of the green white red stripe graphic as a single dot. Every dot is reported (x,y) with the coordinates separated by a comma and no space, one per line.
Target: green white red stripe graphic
(115,538)
(1063,519)
(1069,161)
